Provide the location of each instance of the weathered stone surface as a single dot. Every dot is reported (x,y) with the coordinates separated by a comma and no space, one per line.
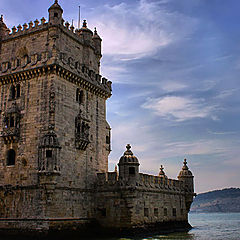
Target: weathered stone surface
(55,140)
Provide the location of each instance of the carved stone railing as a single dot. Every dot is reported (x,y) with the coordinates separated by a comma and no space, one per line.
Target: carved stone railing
(10,134)
(81,141)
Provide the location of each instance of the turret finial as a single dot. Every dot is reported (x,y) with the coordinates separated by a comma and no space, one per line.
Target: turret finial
(128,152)
(56,1)
(128,147)
(162,173)
(1,18)
(185,167)
(95,30)
(84,24)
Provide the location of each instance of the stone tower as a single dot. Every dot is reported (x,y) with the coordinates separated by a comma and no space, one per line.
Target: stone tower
(186,177)
(54,137)
(55,141)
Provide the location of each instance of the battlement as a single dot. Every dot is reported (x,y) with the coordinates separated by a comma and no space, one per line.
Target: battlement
(36,26)
(26,28)
(147,181)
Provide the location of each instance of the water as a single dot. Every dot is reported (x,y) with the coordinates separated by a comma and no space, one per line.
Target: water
(206,226)
(209,226)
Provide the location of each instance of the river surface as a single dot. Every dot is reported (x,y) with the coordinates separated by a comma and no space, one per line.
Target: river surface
(206,226)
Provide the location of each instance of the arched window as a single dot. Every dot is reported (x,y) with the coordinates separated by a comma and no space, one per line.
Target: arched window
(15,92)
(12,92)
(11,155)
(18,91)
(11,121)
(79,95)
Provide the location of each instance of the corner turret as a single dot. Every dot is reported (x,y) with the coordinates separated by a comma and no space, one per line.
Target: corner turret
(129,167)
(85,32)
(3,28)
(97,42)
(55,13)
(186,177)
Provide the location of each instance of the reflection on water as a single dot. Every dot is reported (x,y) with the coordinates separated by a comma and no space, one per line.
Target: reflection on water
(206,226)
(173,236)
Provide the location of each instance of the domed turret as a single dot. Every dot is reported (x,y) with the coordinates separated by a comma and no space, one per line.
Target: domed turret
(97,42)
(185,172)
(55,13)
(85,32)
(3,28)
(162,173)
(128,166)
(186,177)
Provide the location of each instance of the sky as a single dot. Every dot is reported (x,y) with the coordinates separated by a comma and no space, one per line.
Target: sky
(175,69)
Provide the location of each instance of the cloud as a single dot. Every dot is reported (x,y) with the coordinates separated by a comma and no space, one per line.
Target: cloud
(226,93)
(137,30)
(173,86)
(180,108)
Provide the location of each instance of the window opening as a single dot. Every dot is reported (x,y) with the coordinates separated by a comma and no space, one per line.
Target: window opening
(132,170)
(174,212)
(165,211)
(145,212)
(48,153)
(156,212)
(11,155)
(18,90)
(107,140)
(11,121)
(13,92)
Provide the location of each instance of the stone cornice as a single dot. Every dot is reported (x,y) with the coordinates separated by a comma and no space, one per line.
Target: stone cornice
(101,90)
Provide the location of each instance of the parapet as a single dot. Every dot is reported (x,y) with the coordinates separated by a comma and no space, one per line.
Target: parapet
(146,182)
(36,26)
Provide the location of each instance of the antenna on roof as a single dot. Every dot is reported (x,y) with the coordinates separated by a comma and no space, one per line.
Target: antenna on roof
(79,17)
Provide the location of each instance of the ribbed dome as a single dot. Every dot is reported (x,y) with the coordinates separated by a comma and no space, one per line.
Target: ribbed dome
(84,28)
(49,140)
(55,6)
(128,157)
(185,172)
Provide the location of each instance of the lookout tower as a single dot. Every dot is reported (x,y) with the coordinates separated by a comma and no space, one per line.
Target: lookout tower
(53,132)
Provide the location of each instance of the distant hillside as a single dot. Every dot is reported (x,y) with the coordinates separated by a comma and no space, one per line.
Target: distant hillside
(226,200)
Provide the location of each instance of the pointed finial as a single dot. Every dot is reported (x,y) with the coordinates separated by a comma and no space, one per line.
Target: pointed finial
(1,18)
(185,167)
(128,152)
(95,30)
(128,147)
(161,168)
(84,24)
(56,1)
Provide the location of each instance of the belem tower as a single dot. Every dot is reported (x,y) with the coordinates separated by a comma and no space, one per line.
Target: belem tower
(55,140)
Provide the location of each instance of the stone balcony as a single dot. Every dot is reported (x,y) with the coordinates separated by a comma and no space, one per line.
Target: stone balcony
(10,134)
